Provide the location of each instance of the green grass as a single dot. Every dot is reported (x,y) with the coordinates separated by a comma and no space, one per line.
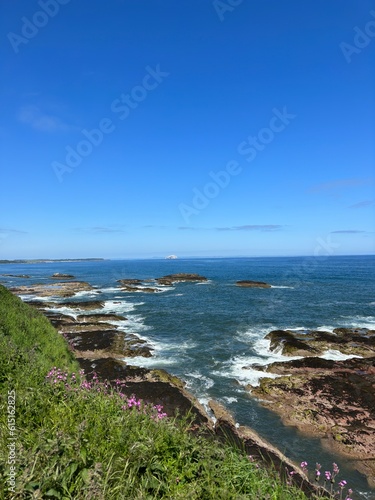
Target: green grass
(78,443)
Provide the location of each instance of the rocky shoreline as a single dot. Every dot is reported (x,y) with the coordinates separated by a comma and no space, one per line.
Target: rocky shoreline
(333,400)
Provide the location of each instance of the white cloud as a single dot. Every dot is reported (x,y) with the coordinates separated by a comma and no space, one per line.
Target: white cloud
(32,115)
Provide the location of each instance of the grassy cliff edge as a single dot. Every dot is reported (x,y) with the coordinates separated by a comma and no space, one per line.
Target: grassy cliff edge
(66,438)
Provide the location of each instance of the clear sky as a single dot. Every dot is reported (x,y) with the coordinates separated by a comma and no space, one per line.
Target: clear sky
(142,128)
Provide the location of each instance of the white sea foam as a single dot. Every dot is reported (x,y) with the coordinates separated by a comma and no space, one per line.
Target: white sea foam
(359,322)
(196,379)
(282,286)
(30,297)
(181,346)
(208,282)
(133,324)
(67,311)
(87,293)
(119,306)
(109,289)
(229,399)
(153,362)
(244,374)
(334,355)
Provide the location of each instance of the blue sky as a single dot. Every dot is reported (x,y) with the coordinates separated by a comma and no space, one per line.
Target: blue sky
(199,128)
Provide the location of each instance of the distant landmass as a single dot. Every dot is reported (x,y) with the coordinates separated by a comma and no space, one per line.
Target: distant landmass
(40,261)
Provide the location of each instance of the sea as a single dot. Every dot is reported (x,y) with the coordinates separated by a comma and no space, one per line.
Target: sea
(210,333)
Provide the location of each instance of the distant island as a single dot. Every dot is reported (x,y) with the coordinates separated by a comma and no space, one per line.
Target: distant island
(41,261)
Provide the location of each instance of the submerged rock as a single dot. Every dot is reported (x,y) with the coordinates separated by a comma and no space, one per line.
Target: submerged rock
(252,284)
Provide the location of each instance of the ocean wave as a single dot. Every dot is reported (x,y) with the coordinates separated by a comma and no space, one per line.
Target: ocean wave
(198,382)
(67,311)
(30,298)
(246,375)
(229,399)
(282,286)
(109,289)
(358,322)
(119,306)
(87,293)
(152,362)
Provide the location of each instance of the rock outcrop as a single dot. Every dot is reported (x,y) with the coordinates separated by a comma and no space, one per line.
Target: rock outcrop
(357,341)
(334,400)
(169,279)
(62,289)
(252,284)
(58,276)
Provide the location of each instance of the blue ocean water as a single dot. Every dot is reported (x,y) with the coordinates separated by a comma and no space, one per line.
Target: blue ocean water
(209,333)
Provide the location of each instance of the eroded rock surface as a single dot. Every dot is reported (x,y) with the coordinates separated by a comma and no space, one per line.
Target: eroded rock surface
(334,400)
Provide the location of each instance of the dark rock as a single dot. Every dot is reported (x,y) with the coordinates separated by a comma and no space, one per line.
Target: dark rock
(169,279)
(131,288)
(129,281)
(358,342)
(100,317)
(289,344)
(58,276)
(87,305)
(252,284)
(107,343)
(147,385)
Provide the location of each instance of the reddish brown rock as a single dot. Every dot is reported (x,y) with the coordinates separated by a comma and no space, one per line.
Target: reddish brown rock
(334,400)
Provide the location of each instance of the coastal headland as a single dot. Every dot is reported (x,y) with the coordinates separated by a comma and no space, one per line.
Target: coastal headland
(333,400)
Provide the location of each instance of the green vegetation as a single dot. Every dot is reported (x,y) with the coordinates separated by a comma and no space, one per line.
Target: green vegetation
(84,440)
